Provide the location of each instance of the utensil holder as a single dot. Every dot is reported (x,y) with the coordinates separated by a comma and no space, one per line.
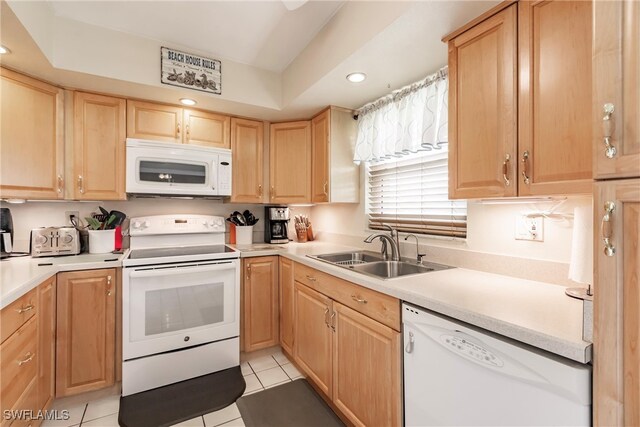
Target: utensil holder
(301,233)
(244,235)
(102,241)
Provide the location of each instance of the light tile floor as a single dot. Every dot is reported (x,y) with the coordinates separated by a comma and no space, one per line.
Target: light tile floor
(261,370)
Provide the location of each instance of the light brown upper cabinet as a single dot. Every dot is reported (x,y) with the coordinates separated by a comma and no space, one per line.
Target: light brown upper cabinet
(247,151)
(31,139)
(290,162)
(334,176)
(260,303)
(483,109)
(85,344)
(158,122)
(545,48)
(616,371)
(616,85)
(99,147)
(555,128)
(208,129)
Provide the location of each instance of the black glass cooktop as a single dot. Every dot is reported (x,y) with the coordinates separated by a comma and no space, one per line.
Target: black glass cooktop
(179,251)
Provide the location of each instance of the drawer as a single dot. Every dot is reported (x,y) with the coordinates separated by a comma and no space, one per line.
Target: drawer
(28,402)
(18,363)
(380,307)
(15,314)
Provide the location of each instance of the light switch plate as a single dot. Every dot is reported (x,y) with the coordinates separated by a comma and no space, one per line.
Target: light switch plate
(528,228)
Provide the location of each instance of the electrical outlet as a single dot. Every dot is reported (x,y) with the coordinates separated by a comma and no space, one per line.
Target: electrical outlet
(69,214)
(528,228)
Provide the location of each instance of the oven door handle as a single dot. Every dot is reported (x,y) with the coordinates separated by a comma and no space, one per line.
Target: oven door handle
(172,271)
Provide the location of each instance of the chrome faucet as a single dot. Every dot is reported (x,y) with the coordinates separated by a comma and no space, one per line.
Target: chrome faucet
(386,241)
(394,235)
(419,256)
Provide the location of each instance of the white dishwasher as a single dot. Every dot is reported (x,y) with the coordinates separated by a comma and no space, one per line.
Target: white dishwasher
(455,374)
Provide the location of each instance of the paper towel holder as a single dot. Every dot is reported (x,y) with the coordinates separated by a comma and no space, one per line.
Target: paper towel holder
(585,294)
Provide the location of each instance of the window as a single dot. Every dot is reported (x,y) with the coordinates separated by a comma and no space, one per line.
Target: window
(411,193)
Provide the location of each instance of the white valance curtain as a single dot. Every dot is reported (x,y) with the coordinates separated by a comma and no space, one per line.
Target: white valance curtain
(408,120)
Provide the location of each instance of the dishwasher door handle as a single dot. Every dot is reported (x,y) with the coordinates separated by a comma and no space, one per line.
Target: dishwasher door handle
(409,347)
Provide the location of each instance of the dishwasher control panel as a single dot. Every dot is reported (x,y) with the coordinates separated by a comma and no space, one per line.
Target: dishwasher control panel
(471,350)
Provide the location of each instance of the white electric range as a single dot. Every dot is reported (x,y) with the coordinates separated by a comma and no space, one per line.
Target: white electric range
(181,301)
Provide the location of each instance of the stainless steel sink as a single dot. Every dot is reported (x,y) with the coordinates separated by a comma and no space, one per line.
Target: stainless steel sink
(372,264)
(391,269)
(346,259)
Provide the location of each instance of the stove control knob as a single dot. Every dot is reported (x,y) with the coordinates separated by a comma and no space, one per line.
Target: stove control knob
(146,224)
(219,222)
(212,223)
(136,224)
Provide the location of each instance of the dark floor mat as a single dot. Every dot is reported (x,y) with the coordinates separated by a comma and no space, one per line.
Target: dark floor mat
(293,404)
(171,404)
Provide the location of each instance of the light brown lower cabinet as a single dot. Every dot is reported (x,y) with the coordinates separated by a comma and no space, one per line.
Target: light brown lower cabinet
(86,305)
(287,296)
(260,303)
(27,355)
(313,339)
(353,359)
(616,372)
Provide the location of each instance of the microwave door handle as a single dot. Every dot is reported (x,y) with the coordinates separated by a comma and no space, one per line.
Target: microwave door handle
(214,173)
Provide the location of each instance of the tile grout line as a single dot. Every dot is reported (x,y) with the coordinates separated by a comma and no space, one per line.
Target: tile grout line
(86,405)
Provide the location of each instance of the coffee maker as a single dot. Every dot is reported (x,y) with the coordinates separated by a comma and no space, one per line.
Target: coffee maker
(276,224)
(6,233)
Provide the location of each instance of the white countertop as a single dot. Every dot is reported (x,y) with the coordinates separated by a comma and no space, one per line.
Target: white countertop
(18,275)
(535,313)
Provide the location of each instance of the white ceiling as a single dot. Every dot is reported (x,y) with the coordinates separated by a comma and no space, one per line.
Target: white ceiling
(264,34)
(313,48)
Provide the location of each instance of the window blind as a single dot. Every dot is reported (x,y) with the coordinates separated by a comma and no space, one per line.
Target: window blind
(411,194)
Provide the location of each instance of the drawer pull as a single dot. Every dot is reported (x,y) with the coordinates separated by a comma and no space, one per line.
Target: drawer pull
(609,150)
(28,358)
(25,308)
(358,300)
(311,278)
(607,229)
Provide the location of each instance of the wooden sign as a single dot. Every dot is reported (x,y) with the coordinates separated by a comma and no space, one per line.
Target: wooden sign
(190,71)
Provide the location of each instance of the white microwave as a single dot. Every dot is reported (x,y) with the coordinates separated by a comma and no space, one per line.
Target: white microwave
(165,168)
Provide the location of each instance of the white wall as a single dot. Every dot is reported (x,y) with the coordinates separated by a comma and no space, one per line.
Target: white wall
(42,214)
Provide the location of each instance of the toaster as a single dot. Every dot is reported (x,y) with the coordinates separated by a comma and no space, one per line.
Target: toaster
(54,241)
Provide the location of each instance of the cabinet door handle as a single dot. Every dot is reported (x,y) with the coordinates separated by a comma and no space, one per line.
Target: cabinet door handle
(260,190)
(311,278)
(525,167)
(272,193)
(358,300)
(27,358)
(333,321)
(109,286)
(505,169)
(607,130)
(326,317)
(607,229)
(324,188)
(26,308)
(60,184)
(188,132)
(178,130)
(80,184)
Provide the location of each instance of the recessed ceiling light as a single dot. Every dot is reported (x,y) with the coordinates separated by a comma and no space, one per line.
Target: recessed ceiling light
(188,101)
(4,50)
(356,77)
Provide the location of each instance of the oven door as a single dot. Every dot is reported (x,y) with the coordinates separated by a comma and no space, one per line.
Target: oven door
(175,306)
